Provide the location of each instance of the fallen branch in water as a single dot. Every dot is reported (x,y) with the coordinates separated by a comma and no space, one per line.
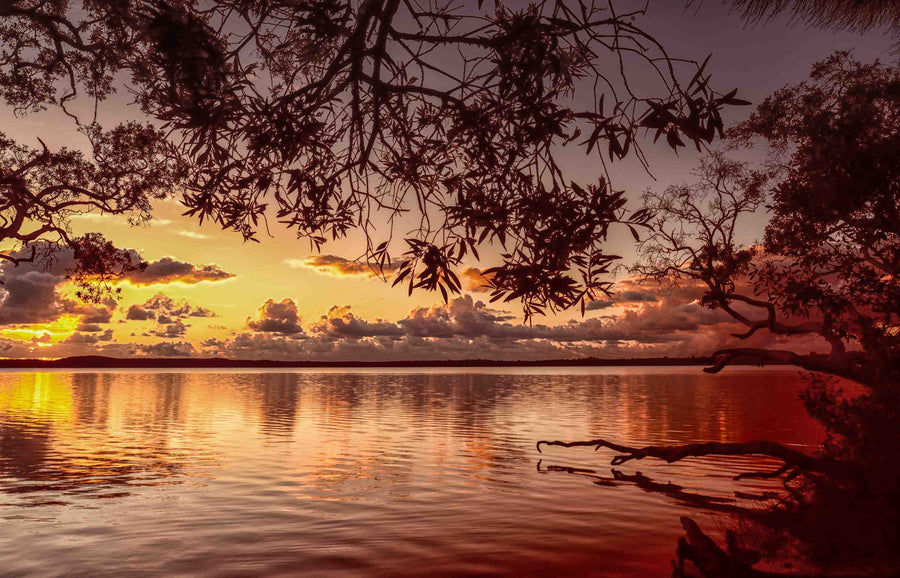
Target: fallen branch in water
(647,484)
(795,462)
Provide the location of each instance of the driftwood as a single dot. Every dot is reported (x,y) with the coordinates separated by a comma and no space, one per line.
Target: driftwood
(698,554)
(647,484)
(794,462)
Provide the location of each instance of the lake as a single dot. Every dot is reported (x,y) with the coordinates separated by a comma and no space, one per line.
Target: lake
(367,472)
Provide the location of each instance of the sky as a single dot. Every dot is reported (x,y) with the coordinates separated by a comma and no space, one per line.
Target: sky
(206,293)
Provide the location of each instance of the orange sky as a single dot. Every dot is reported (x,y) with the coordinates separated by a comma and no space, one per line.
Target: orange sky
(329,308)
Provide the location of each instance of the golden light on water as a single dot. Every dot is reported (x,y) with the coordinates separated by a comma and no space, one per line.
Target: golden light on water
(380,468)
(43,397)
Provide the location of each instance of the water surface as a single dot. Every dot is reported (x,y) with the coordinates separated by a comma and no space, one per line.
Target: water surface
(366,472)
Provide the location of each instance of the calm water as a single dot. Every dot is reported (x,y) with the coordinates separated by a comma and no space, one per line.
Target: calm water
(368,472)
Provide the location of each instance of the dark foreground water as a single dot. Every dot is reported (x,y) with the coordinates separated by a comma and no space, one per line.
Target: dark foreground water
(364,473)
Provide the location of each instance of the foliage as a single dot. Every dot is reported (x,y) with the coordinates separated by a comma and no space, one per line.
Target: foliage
(43,190)
(828,267)
(856,15)
(334,115)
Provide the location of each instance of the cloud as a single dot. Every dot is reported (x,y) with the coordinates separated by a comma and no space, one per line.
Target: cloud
(30,293)
(167,349)
(30,296)
(277,317)
(78,338)
(473,280)
(340,267)
(633,296)
(671,324)
(340,323)
(628,292)
(599,304)
(169,329)
(93,312)
(193,235)
(169,315)
(165,310)
(138,313)
(171,270)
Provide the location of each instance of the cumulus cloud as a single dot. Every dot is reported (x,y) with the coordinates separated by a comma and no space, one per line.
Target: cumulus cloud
(171,270)
(138,313)
(167,349)
(632,296)
(93,312)
(166,310)
(340,323)
(30,292)
(467,328)
(630,292)
(30,296)
(340,267)
(169,315)
(169,329)
(277,317)
(91,338)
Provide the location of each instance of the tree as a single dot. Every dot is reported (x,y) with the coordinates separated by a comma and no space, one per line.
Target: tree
(829,267)
(858,15)
(333,115)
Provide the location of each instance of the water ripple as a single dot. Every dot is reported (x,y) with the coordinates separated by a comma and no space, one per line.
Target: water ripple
(385,474)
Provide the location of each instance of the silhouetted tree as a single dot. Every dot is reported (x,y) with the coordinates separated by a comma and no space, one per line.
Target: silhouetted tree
(829,268)
(41,190)
(856,15)
(332,115)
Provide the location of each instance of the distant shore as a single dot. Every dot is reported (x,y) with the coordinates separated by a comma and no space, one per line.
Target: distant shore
(100,362)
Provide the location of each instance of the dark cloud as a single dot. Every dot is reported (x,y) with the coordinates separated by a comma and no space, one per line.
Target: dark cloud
(625,293)
(341,267)
(30,292)
(30,296)
(166,310)
(167,349)
(171,270)
(138,313)
(599,304)
(88,338)
(169,330)
(277,317)
(636,297)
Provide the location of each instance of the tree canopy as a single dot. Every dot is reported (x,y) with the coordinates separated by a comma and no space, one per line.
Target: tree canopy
(829,262)
(828,267)
(333,116)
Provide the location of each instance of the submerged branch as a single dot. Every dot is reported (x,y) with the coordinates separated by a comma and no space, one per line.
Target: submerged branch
(793,459)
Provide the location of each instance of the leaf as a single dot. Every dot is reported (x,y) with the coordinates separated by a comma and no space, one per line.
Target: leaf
(634,233)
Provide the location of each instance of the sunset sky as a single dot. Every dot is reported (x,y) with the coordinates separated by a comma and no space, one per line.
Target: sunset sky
(206,293)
